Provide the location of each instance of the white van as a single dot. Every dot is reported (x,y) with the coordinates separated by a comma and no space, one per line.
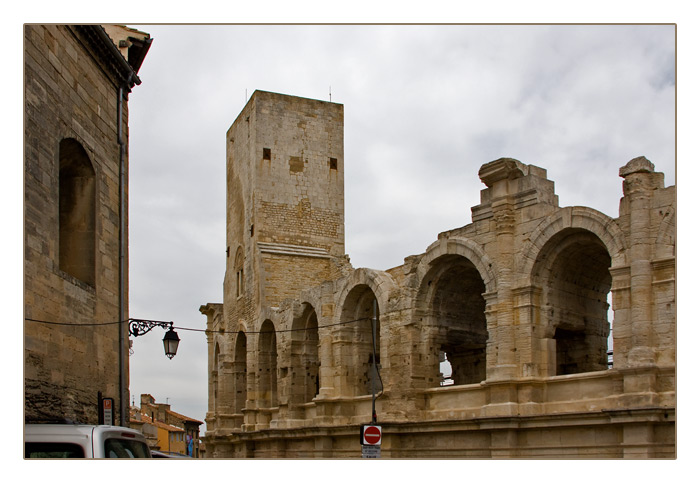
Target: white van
(83,441)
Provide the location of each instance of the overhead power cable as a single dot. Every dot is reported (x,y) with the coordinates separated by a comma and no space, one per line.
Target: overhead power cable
(86,324)
(95,324)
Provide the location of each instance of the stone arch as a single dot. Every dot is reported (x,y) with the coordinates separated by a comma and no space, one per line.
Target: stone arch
(240,371)
(381,283)
(450,309)
(580,217)
(77,206)
(356,351)
(578,327)
(466,248)
(215,375)
(305,360)
(572,273)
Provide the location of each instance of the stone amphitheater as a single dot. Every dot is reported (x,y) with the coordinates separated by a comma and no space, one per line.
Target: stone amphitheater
(496,342)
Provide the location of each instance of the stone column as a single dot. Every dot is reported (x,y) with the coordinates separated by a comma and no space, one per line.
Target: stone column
(533,350)
(640,181)
(501,178)
(251,405)
(639,359)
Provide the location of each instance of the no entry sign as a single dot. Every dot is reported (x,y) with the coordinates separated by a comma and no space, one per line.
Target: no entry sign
(372,435)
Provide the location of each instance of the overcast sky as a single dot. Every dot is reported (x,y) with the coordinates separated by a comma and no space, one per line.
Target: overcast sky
(425,107)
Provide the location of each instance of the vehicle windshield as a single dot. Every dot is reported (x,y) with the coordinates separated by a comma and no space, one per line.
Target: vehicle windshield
(124,448)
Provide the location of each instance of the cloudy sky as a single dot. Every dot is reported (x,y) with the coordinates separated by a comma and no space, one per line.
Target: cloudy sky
(425,107)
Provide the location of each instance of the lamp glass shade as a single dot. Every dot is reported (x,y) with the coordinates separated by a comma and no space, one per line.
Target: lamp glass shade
(170,343)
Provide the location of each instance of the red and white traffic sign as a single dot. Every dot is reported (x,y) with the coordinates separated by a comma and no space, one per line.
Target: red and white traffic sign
(372,435)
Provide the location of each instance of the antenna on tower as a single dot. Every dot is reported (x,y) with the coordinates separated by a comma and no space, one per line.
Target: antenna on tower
(329,94)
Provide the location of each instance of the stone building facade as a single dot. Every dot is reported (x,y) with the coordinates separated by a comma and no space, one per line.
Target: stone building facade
(76,85)
(165,429)
(519,303)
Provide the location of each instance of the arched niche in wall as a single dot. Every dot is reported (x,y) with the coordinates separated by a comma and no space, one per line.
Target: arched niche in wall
(77,211)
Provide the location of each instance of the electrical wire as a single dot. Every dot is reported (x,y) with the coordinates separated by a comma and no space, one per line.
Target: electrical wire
(268,331)
(94,324)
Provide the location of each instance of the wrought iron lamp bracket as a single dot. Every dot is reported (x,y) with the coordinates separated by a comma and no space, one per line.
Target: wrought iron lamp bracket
(139,327)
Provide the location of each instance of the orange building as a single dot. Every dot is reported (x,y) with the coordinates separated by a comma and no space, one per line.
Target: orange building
(166,430)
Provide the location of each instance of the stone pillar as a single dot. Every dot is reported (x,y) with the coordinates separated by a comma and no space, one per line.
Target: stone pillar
(640,181)
(664,284)
(344,364)
(251,405)
(399,399)
(492,344)
(622,322)
(533,351)
(505,222)
(501,178)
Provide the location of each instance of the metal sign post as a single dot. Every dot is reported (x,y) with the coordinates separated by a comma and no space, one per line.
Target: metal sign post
(374,361)
(108,411)
(371,441)
(371,434)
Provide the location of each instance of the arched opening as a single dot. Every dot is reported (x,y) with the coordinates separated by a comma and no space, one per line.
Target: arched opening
(574,269)
(215,377)
(240,373)
(611,317)
(456,321)
(305,359)
(358,311)
(267,365)
(238,266)
(76,212)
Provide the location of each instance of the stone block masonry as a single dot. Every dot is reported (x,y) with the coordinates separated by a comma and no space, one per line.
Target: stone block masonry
(493,343)
(72,76)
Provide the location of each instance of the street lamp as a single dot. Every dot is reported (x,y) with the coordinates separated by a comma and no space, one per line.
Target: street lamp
(139,327)
(170,343)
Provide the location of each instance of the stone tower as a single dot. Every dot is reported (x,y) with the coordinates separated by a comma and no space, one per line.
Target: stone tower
(285,203)
(284,233)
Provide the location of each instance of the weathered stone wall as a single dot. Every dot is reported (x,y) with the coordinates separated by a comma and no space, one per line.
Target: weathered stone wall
(70,117)
(285,231)
(517,303)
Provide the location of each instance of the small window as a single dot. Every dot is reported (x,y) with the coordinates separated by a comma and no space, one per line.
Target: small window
(238,265)
(267,153)
(333,163)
